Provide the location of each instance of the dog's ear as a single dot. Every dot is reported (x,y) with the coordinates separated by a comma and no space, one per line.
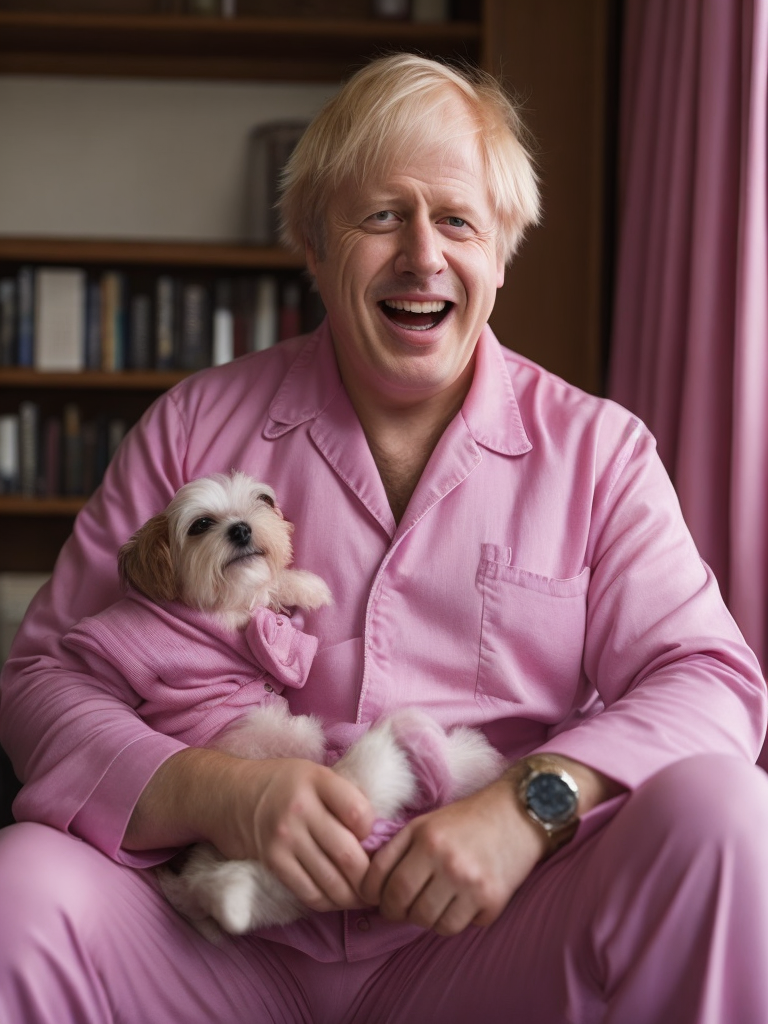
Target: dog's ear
(145,561)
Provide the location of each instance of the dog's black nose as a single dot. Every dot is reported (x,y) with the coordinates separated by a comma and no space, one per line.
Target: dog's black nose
(239,534)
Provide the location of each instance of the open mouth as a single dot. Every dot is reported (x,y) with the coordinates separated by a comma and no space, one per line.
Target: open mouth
(416,316)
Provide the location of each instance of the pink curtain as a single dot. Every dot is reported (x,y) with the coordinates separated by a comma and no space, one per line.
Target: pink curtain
(690,335)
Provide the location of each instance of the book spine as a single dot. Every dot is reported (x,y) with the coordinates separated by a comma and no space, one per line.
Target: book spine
(265,319)
(195,346)
(73,456)
(7,321)
(52,459)
(290,311)
(223,349)
(9,453)
(165,322)
(29,442)
(25,310)
(60,302)
(93,340)
(139,353)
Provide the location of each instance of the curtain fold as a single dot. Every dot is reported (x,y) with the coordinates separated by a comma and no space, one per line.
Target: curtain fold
(689,350)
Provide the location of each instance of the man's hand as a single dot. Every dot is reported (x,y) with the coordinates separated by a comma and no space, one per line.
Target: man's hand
(462,864)
(458,865)
(301,820)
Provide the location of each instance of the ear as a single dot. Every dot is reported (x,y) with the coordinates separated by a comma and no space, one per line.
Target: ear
(145,562)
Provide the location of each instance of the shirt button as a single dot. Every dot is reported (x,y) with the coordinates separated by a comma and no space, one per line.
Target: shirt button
(279,621)
(363,924)
(269,688)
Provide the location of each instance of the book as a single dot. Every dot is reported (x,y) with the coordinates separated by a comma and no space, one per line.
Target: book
(25,313)
(113,318)
(72,451)
(59,332)
(290,311)
(165,322)
(116,430)
(223,347)
(243,301)
(195,338)
(29,448)
(7,321)
(269,149)
(139,355)
(93,324)
(52,457)
(265,313)
(9,453)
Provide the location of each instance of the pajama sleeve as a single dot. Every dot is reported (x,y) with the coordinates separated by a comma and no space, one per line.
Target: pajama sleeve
(672,671)
(75,741)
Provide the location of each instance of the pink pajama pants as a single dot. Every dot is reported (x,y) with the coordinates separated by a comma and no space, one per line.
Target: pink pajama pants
(660,916)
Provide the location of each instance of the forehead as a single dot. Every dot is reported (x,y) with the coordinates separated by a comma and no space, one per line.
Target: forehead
(444,166)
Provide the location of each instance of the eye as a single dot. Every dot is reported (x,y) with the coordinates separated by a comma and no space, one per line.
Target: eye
(267,500)
(200,526)
(382,217)
(455,222)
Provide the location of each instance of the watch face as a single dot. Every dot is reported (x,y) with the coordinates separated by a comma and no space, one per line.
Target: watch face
(551,798)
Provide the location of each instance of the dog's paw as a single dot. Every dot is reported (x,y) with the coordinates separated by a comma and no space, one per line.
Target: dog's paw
(233,905)
(301,589)
(472,761)
(379,766)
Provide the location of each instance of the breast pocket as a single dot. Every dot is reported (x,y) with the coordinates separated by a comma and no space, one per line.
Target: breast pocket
(532,637)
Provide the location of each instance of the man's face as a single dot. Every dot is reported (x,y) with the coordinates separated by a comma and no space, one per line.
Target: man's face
(410,270)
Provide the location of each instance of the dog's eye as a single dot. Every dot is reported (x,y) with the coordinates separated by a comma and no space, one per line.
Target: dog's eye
(266,498)
(200,526)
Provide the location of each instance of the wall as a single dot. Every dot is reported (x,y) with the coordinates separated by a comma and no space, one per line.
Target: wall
(132,158)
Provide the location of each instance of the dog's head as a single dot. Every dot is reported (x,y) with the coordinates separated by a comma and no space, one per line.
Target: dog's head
(218,546)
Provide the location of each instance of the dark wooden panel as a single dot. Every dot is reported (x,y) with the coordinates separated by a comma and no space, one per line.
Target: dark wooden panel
(556,56)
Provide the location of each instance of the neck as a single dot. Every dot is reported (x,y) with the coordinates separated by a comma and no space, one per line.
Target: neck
(403,435)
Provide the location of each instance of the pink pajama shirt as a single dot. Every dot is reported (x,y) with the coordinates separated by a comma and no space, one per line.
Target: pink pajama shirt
(542,586)
(185,674)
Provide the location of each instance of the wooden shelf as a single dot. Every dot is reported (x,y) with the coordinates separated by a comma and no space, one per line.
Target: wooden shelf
(122,380)
(18,505)
(174,46)
(181,254)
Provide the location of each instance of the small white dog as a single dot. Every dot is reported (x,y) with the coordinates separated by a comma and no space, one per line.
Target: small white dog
(222,546)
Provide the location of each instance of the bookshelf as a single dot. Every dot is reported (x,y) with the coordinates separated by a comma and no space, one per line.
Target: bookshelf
(556,55)
(137,43)
(173,46)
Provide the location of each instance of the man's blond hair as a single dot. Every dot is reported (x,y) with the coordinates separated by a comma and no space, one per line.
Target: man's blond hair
(388,109)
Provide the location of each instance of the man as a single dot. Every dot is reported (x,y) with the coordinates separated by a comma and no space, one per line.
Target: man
(505,552)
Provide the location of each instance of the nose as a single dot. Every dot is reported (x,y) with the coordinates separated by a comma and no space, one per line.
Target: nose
(239,534)
(421,252)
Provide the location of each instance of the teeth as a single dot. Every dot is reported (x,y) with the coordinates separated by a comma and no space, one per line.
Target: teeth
(416,307)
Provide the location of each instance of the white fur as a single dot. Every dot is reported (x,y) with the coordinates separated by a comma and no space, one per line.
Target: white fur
(212,571)
(473,762)
(217,575)
(272,731)
(378,766)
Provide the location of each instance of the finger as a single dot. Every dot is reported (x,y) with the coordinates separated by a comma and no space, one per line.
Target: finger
(338,867)
(382,864)
(431,903)
(347,803)
(405,885)
(458,915)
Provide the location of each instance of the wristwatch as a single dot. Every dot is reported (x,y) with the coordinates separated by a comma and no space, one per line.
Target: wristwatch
(549,796)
